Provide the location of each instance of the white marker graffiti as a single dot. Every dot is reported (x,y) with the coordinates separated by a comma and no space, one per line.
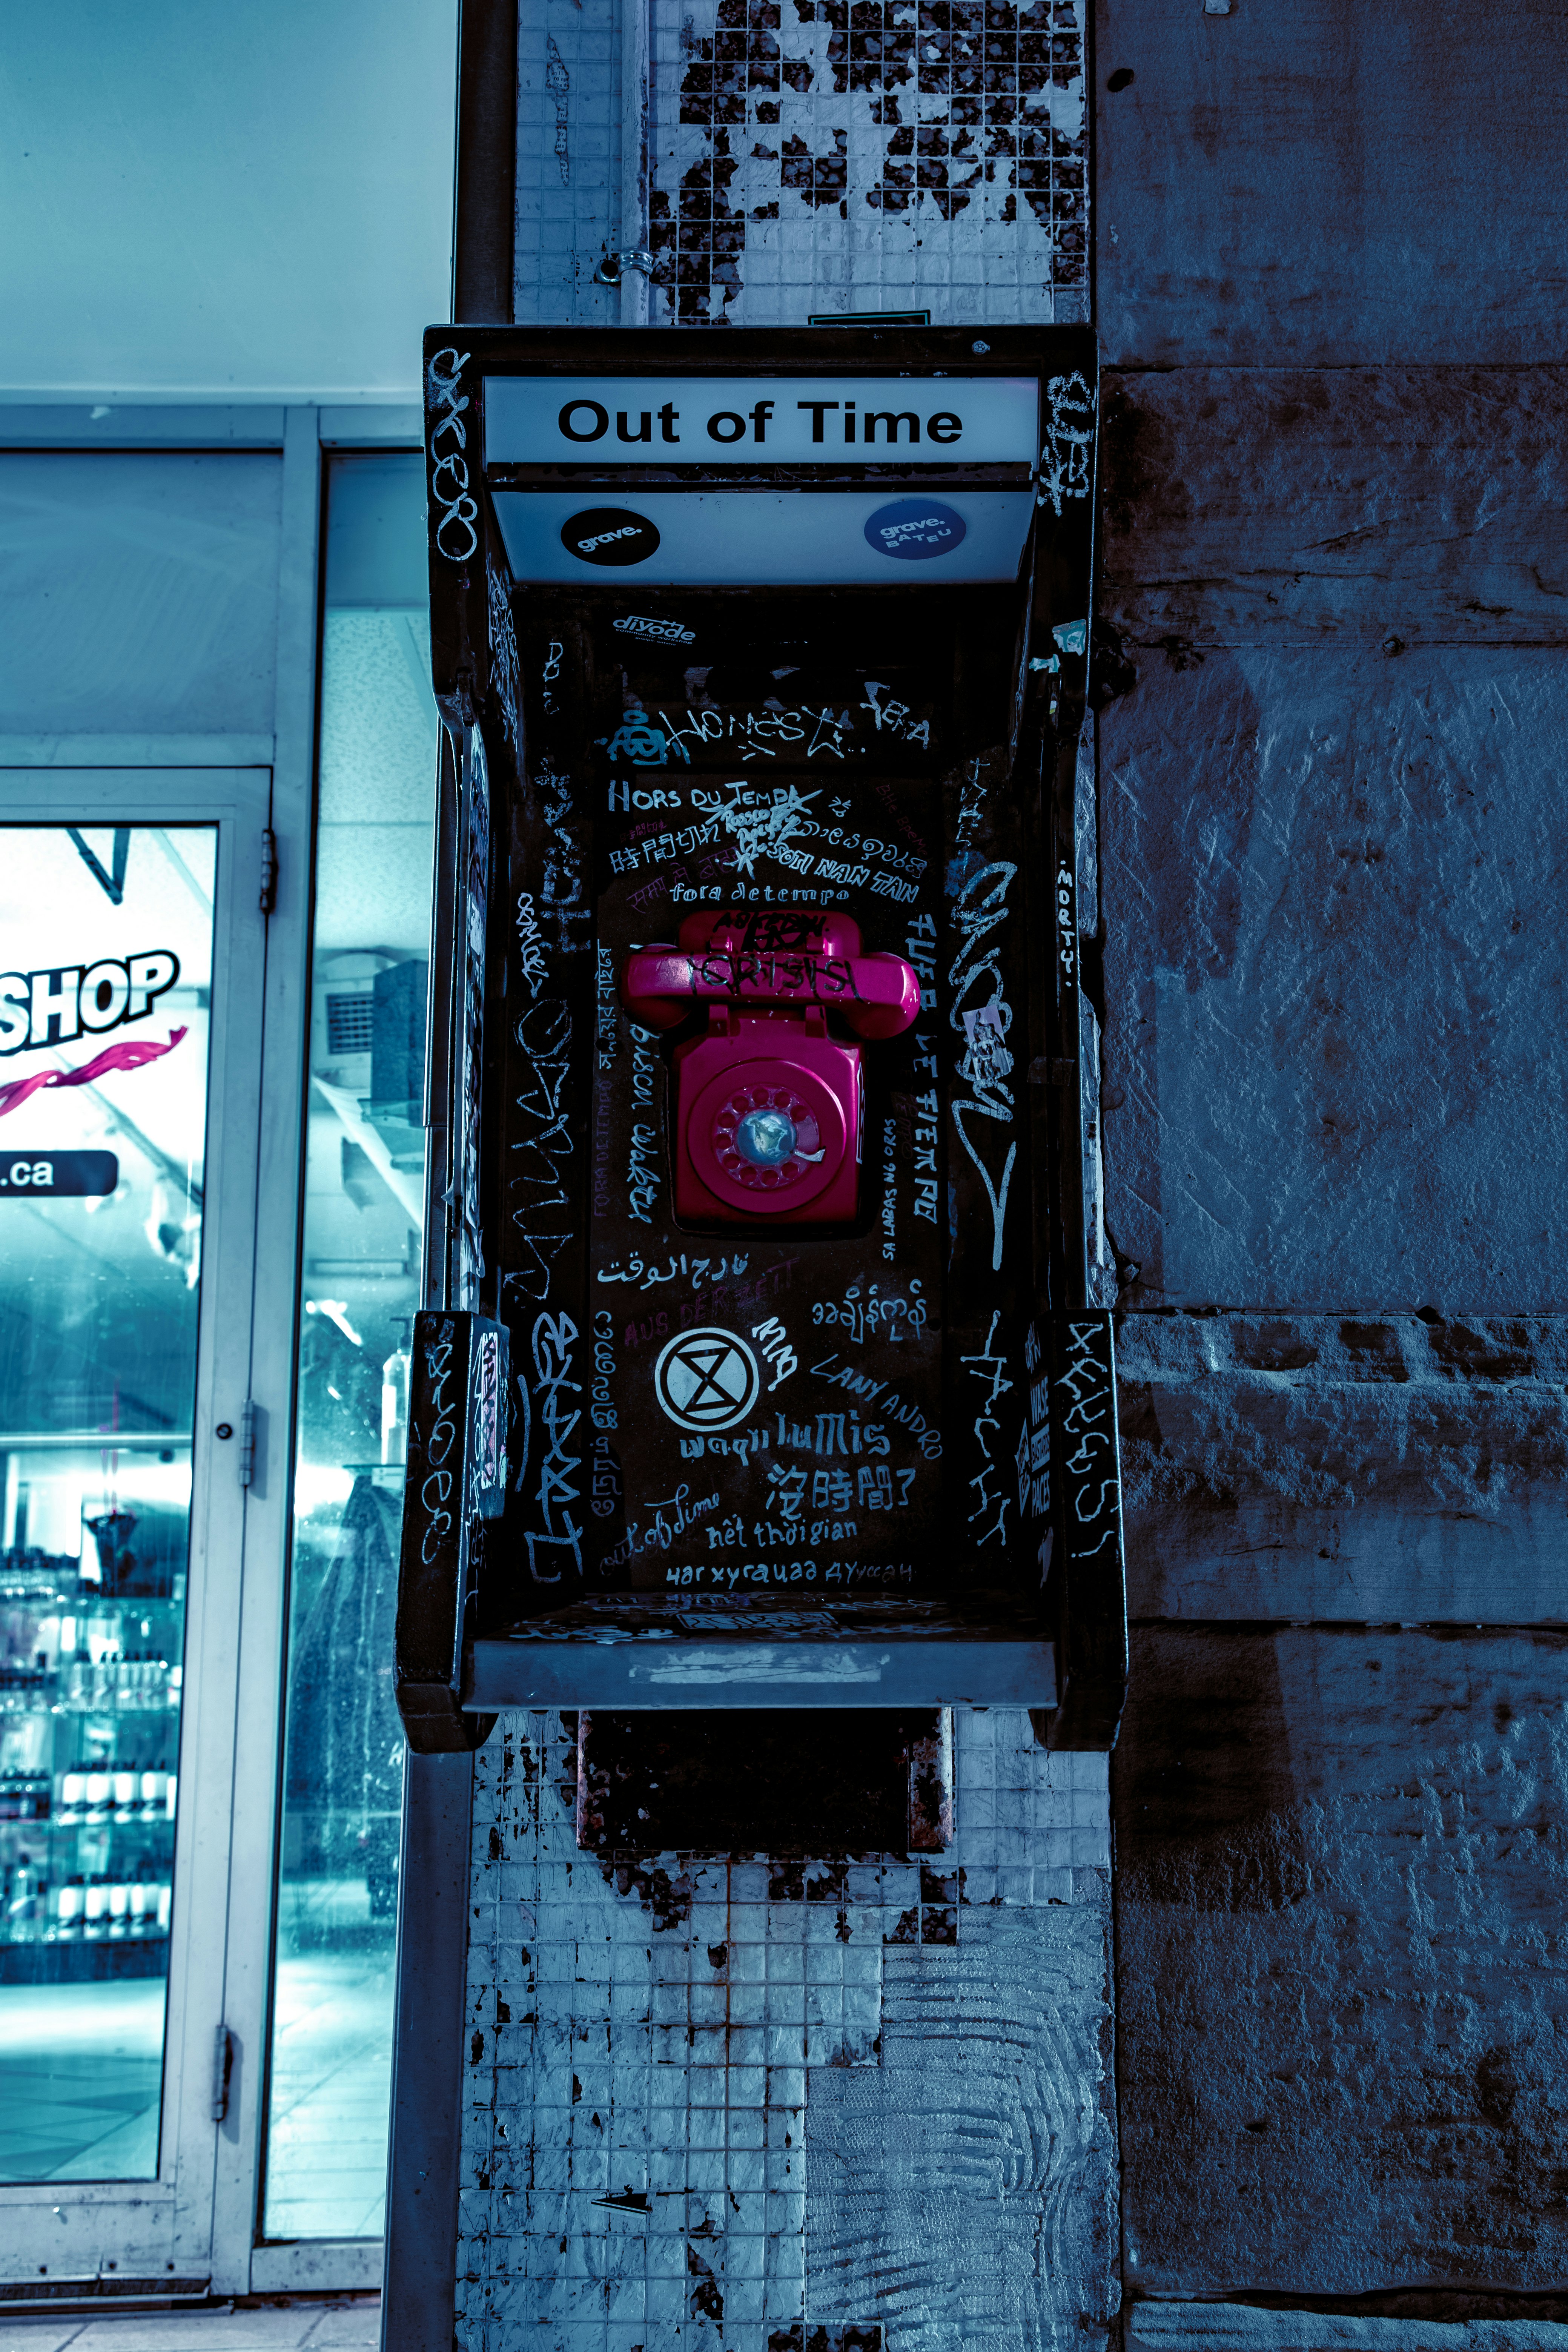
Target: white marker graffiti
(559,1466)
(990,1369)
(1069,439)
(987,1063)
(456,536)
(505,675)
(530,946)
(763,823)
(558,82)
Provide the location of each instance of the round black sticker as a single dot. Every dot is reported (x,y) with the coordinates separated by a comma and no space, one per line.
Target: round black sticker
(609,535)
(914,529)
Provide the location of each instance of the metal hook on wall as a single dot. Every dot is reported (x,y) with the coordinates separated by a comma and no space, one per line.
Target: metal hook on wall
(613,267)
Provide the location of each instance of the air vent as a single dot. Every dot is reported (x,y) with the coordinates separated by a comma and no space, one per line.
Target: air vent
(350,1019)
(16,2293)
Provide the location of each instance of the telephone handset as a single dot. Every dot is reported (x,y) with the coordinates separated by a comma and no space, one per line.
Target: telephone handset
(769,1096)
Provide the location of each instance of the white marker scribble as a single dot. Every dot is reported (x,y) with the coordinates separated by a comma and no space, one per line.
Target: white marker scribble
(558,82)
(763,823)
(990,1369)
(986,1066)
(1069,449)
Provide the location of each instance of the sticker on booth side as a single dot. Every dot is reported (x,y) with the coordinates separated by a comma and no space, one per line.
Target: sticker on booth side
(707,1379)
(911,529)
(610,535)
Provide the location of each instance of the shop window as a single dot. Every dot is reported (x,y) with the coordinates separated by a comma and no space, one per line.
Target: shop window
(104,1015)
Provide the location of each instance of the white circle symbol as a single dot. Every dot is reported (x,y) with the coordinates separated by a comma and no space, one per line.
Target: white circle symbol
(706,1379)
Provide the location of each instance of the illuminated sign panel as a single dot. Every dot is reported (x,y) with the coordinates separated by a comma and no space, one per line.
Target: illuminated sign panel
(722,539)
(760,420)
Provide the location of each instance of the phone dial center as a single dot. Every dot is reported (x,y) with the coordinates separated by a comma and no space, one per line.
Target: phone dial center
(766,1138)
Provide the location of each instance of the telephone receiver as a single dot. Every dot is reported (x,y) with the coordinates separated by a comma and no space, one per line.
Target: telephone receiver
(770,1095)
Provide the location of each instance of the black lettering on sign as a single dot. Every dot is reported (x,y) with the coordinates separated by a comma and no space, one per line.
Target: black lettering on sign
(50,1007)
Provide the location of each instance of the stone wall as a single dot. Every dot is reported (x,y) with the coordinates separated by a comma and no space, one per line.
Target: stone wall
(1333,890)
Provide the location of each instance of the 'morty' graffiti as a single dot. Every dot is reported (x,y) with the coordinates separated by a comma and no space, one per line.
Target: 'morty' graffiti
(1068,455)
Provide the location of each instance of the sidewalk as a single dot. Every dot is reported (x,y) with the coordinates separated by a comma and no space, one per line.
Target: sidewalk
(327,2325)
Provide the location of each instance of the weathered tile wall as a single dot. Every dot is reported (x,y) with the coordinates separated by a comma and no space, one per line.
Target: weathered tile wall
(568,164)
(810,157)
(711,2101)
(825,156)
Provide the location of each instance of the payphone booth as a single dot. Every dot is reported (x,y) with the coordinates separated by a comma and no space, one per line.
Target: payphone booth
(757,1369)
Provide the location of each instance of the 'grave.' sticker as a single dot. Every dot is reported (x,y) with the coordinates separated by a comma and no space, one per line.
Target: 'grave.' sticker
(913,530)
(611,535)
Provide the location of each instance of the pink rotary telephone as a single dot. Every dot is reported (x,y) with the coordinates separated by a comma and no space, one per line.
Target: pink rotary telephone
(770,1094)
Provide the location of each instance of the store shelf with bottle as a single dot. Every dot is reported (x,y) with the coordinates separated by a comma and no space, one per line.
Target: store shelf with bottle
(90,1714)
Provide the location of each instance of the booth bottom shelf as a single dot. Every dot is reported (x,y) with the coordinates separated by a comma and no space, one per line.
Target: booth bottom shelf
(627,1652)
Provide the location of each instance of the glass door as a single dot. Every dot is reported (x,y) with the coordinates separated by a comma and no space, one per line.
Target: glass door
(329,2081)
(131,946)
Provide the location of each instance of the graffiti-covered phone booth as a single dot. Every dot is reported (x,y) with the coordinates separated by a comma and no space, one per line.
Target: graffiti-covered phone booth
(757,1371)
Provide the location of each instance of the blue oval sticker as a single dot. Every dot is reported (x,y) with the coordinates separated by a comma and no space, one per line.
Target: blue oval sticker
(914,529)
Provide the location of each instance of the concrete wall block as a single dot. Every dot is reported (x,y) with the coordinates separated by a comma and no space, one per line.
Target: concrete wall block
(1327,183)
(1233,2327)
(963,2190)
(1341,1964)
(1332,1060)
(1379,1469)
(1290,506)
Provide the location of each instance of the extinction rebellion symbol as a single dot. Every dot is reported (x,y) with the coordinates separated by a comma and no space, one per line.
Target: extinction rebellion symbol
(706,1379)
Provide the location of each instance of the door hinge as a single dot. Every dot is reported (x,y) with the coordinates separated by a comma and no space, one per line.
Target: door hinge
(247,1443)
(223,2070)
(269,869)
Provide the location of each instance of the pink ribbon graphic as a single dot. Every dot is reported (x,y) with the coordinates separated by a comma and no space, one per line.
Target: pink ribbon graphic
(131,1056)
